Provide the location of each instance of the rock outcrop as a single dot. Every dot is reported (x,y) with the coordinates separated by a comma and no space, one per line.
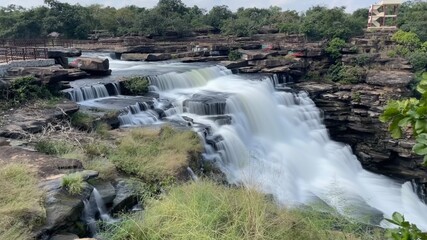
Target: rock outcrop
(351,114)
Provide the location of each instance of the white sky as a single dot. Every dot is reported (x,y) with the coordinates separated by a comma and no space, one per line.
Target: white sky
(299,5)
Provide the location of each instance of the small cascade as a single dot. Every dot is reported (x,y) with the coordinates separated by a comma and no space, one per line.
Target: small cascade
(94,209)
(81,94)
(105,216)
(89,217)
(138,114)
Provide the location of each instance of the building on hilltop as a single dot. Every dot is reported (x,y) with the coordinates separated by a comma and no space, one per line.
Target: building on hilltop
(383,15)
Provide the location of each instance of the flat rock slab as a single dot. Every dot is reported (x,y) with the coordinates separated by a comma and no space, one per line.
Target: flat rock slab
(389,78)
(46,166)
(31,119)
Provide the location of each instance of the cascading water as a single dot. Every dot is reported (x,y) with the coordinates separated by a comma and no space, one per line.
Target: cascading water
(80,94)
(95,204)
(277,144)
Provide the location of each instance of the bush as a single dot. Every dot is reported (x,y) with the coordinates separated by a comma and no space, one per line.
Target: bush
(234,55)
(406,230)
(54,147)
(204,210)
(346,74)
(95,149)
(136,85)
(154,155)
(25,89)
(73,183)
(408,39)
(418,60)
(82,120)
(334,47)
(21,200)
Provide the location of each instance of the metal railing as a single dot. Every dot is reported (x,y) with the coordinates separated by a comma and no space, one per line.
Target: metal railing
(42,42)
(8,54)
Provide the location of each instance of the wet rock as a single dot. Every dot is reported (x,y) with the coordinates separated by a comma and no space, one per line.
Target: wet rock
(152,57)
(206,103)
(105,189)
(63,211)
(88,174)
(44,74)
(4,142)
(125,198)
(65,236)
(133,57)
(63,52)
(282,69)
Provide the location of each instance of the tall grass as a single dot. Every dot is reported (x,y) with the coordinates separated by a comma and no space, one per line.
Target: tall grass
(73,183)
(20,201)
(203,210)
(154,155)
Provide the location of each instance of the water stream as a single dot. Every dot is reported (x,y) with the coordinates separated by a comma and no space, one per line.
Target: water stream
(276,143)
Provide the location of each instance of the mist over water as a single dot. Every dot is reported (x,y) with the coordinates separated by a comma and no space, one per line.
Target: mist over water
(277,144)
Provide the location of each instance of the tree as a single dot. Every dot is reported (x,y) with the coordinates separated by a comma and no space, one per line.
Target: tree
(413,18)
(217,16)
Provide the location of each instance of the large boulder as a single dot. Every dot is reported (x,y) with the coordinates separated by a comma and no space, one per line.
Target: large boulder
(63,52)
(95,66)
(125,197)
(152,57)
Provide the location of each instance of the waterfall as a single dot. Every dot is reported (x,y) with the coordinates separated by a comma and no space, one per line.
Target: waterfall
(138,114)
(277,144)
(89,218)
(80,94)
(95,204)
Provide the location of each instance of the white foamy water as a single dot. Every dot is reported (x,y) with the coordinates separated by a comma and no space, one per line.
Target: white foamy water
(277,144)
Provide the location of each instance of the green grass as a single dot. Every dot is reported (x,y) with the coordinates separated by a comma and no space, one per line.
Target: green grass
(82,121)
(204,210)
(154,155)
(54,147)
(105,168)
(20,202)
(73,183)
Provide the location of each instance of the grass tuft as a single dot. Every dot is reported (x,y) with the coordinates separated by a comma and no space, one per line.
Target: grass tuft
(54,147)
(73,183)
(154,155)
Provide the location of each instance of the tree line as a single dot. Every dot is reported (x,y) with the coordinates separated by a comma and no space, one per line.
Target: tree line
(173,17)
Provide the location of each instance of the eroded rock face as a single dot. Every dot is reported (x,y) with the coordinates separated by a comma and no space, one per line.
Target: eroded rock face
(351,114)
(389,78)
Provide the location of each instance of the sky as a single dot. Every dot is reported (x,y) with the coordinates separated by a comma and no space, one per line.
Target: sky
(299,5)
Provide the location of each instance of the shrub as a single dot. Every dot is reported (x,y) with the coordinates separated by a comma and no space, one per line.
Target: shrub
(346,74)
(204,210)
(334,47)
(418,60)
(136,85)
(24,89)
(21,200)
(95,149)
(408,39)
(73,183)
(54,147)
(154,155)
(392,53)
(82,120)
(234,55)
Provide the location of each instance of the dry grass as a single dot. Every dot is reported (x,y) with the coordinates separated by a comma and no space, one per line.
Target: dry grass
(154,155)
(20,201)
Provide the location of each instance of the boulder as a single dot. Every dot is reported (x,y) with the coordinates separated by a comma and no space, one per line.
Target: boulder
(389,78)
(125,197)
(45,74)
(256,55)
(95,66)
(152,57)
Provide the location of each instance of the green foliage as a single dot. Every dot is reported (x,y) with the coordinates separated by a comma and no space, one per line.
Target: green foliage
(334,47)
(96,149)
(204,210)
(346,74)
(54,147)
(418,60)
(409,40)
(406,230)
(155,155)
(136,85)
(82,120)
(234,55)
(21,202)
(412,18)
(405,113)
(25,89)
(73,183)
(105,168)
